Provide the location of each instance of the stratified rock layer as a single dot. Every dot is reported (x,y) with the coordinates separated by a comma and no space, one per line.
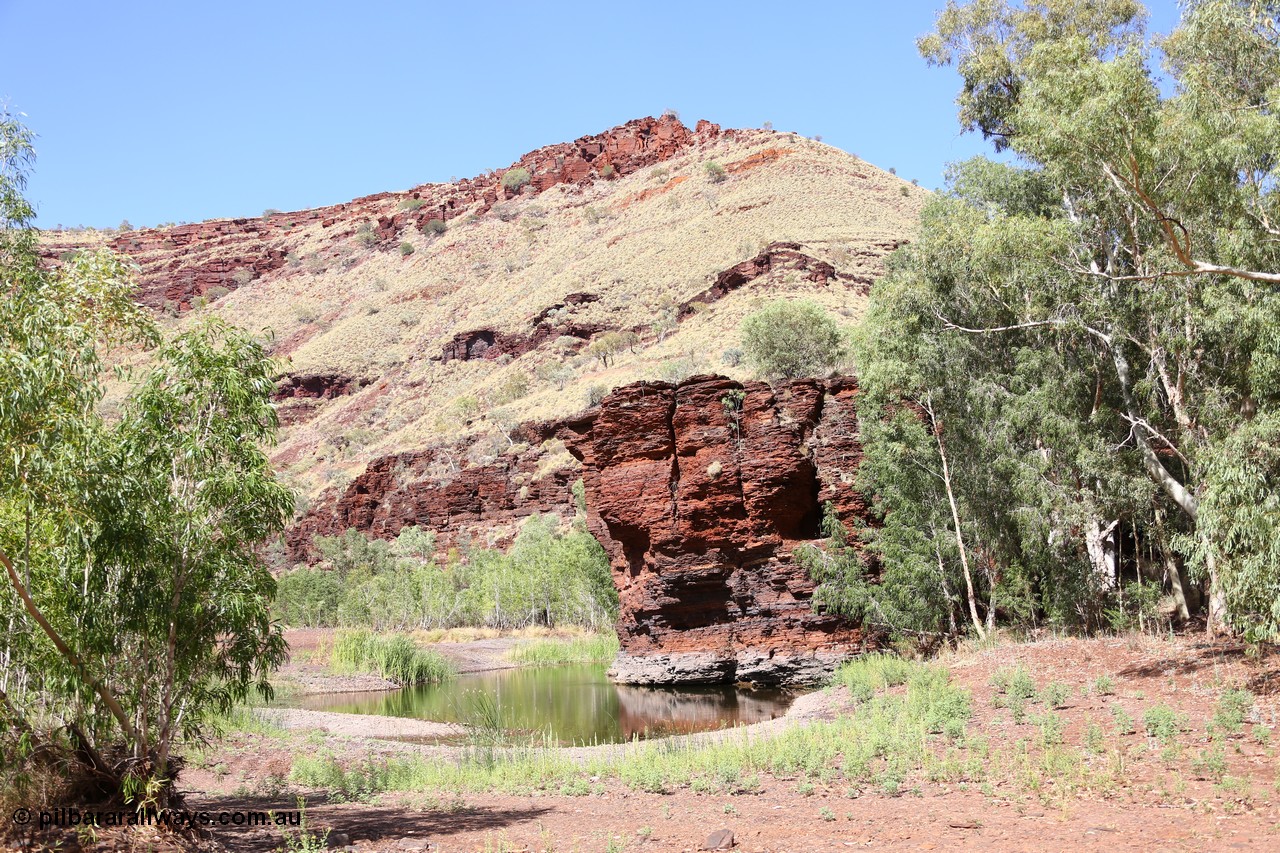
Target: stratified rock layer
(177,264)
(701,492)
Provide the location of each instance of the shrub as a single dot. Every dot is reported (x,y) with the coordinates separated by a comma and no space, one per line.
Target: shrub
(676,370)
(512,388)
(366,234)
(791,338)
(411,204)
(270,212)
(216,292)
(515,179)
(731,357)
(394,657)
(596,393)
(608,171)
(406,249)
(593,648)
(715,172)
(435,226)
(308,598)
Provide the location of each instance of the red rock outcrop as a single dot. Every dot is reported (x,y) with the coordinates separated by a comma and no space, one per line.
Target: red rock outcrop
(700,493)
(438,489)
(299,395)
(179,263)
(775,256)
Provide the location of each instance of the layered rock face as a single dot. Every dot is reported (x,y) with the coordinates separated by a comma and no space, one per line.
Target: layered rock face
(701,492)
(179,263)
(437,490)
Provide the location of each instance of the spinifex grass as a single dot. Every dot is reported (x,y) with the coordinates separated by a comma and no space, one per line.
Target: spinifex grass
(392,656)
(587,648)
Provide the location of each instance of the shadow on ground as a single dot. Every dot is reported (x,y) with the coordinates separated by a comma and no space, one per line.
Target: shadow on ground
(358,821)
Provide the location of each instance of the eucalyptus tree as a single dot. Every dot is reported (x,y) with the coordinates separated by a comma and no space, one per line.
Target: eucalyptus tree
(134,601)
(1095,325)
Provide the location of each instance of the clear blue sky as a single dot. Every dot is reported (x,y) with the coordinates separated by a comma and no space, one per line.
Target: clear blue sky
(159,111)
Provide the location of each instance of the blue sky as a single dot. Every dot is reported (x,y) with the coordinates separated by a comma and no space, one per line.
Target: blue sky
(154,112)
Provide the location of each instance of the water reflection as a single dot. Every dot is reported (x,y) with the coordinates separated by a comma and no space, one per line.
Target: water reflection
(567,704)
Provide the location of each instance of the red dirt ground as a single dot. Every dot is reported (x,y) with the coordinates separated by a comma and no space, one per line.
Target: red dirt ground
(1164,803)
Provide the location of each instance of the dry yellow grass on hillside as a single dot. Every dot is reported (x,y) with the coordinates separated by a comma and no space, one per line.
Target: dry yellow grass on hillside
(643,244)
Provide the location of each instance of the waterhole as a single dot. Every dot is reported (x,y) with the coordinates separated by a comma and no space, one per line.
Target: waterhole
(567,705)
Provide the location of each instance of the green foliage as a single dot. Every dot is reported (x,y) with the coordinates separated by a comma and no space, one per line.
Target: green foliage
(515,179)
(1079,350)
(1124,722)
(596,393)
(546,578)
(367,234)
(310,597)
(1233,707)
(1163,723)
(137,600)
(395,657)
(592,648)
(513,387)
(792,337)
(1055,694)
(434,226)
(714,171)
(406,249)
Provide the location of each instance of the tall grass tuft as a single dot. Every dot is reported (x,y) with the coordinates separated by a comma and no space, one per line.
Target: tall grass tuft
(553,651)
(392,656)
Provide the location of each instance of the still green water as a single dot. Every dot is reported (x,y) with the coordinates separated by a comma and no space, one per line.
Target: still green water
(567,704)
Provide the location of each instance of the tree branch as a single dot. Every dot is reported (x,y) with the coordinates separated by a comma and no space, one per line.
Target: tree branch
(98,687)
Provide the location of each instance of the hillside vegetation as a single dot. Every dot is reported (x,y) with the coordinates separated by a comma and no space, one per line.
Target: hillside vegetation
(375,318)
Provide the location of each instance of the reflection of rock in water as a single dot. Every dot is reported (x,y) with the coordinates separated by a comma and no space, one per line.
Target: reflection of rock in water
(650,711)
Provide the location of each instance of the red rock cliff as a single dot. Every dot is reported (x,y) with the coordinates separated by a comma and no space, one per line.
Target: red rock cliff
(700,493)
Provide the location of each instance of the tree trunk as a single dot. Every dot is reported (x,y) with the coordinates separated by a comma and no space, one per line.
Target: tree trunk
(98,687)
(1215,623)
(1100,542)
(1174,576)
(955,520)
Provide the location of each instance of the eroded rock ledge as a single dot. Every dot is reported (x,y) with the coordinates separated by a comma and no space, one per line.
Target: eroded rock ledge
(700,492)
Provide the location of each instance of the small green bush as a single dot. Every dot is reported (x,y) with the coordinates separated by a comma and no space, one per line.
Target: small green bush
(608,171)
(1233,707)
(792,338)
(516,179)
(411,204)
(406,249)
(434,226)
(395,657)
(596,393)
(366,234)
(216,292)
(1162,723)
(715,172)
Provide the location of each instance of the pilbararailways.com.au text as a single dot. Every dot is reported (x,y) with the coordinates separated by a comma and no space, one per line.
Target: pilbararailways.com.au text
(70,817)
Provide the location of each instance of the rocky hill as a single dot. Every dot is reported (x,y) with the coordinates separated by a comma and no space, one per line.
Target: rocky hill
(445,348)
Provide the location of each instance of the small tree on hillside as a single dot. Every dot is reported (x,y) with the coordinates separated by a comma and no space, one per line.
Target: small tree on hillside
(790,338)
